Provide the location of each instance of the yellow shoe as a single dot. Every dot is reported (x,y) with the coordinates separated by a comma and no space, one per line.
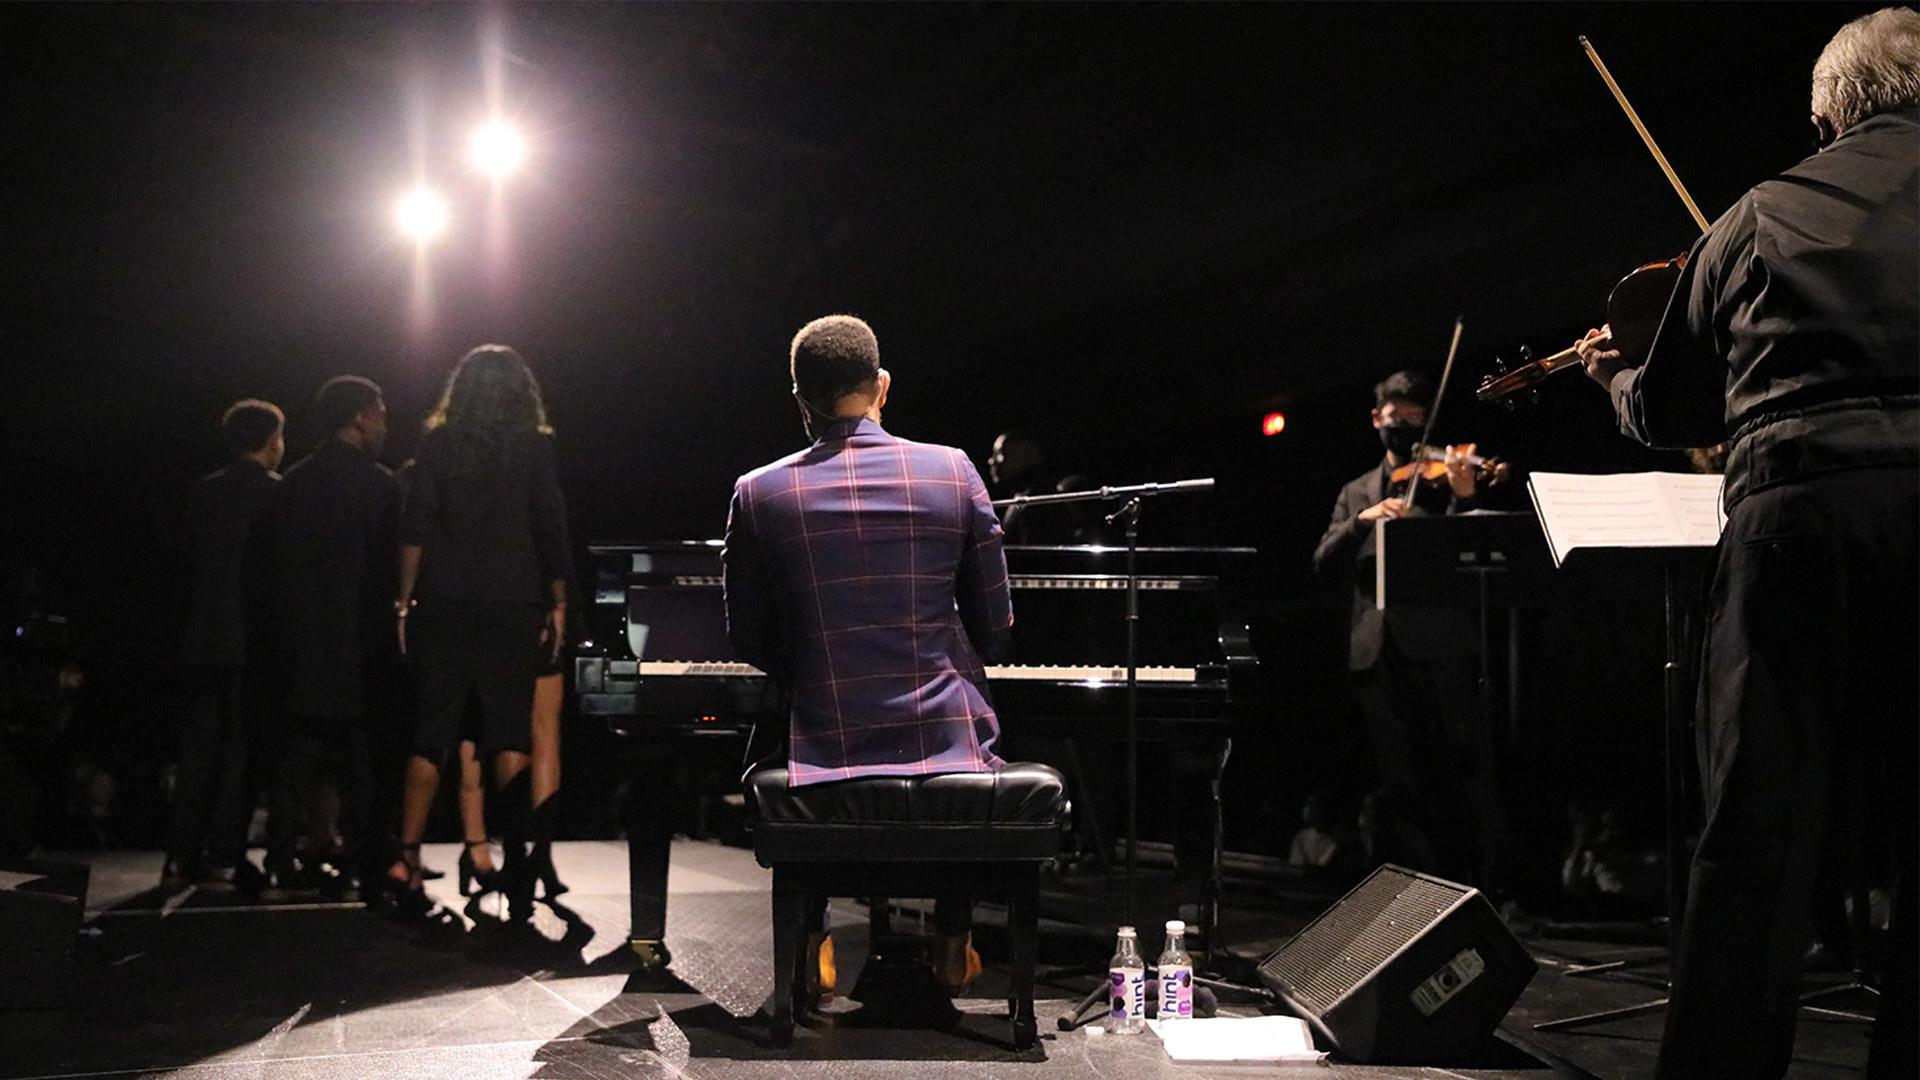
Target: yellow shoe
(956,962)
(823,976)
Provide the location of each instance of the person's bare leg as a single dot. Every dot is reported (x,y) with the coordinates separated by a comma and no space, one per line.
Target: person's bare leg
(473,809)
(548,691)
(423,780)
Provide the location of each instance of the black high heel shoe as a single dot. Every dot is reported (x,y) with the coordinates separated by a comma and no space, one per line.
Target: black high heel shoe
(409,895)
(540,855)
(487,880)
(540,863)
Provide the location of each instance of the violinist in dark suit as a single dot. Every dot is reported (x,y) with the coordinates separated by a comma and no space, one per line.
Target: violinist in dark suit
(1413,666)
(335,550)
(222,651)
(1794,336)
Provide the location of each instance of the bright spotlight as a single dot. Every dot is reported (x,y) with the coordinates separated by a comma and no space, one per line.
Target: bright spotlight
(422,214)
(496,149)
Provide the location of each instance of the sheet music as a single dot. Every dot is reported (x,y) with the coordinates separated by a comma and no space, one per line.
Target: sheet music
(1650,509)
(1696,506)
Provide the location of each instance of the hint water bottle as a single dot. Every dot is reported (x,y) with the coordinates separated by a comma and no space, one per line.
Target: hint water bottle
(1127,983)
(1176,975)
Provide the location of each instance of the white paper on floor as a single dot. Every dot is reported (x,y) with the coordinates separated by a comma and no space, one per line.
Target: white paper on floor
(1237,1038)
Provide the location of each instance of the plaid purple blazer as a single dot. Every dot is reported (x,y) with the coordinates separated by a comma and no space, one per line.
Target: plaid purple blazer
(865,575)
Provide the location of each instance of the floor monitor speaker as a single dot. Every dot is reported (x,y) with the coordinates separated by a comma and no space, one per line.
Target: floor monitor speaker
(1404,969)
(41,905)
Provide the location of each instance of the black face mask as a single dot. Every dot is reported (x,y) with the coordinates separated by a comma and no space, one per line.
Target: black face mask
(1400,439)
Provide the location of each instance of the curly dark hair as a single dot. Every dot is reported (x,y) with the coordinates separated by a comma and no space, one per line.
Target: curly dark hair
(490,397)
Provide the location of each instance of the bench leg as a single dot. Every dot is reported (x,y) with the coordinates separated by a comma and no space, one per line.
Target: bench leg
(789,911)
(1023,935)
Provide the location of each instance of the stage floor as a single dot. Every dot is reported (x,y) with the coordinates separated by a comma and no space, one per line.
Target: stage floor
(203,986)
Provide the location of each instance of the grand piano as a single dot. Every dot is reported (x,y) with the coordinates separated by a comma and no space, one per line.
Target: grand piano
(658,669)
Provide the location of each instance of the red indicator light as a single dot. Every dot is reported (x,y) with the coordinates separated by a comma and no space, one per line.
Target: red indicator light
(1273,424)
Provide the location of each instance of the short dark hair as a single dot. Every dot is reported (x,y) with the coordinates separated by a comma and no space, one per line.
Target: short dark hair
(1408,386)
(342,398)
(832,357)
(250,424)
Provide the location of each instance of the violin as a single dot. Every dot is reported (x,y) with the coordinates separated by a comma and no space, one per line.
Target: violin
(1429,464)
(1638,301)
(1634,309)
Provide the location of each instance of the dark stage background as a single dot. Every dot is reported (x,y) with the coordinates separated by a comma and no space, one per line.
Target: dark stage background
(1132,228)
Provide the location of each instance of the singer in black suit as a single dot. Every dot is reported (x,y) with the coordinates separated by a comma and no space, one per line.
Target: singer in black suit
(334,551)
(222,649)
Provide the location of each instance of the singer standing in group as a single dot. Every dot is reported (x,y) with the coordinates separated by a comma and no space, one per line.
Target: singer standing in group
(481,608)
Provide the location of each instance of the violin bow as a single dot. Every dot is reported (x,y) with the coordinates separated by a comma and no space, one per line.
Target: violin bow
(1645,135)
(1433,414)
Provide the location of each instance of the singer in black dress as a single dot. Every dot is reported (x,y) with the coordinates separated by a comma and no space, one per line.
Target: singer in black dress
(481,606)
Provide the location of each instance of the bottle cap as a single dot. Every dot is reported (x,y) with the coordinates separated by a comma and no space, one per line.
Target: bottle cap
(1126,931)
(1176,926)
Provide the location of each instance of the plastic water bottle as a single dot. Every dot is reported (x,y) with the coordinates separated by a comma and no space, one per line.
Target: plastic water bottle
(1176,975)
(1127,984)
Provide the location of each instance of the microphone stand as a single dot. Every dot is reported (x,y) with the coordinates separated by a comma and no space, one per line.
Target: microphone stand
(1128,515)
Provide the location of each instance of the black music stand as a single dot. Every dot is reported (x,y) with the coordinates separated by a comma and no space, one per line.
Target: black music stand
(1482,559)
(1675,565)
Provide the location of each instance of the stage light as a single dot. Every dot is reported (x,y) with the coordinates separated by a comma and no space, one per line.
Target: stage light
(1273,424)
(496,149)
(422,214)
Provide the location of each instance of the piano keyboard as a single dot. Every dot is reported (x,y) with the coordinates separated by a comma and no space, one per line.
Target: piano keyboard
(720,669)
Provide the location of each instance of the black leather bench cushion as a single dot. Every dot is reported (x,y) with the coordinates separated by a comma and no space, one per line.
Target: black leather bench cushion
(1013,813)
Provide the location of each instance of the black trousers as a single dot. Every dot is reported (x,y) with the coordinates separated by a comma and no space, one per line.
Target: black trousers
(1811,700)
(1428,731)
(314,749)
(213,796)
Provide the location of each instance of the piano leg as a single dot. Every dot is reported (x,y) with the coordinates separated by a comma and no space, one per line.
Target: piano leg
(649,842)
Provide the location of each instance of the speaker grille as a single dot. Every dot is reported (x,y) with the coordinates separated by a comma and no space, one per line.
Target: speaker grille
(1358,935)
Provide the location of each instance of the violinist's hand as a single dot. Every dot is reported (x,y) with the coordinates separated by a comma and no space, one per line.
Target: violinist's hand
(1462,475)
(1386,508)
(1598,355)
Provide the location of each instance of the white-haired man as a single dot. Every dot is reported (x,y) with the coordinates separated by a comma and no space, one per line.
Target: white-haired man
(1794,335)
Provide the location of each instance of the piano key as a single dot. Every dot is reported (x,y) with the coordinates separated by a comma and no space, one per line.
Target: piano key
(733,669)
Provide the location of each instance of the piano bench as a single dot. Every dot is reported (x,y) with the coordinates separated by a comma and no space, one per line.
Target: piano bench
(982,834)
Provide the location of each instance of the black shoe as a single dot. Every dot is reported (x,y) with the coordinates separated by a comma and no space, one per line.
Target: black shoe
(288,877)
(541,863)
(540,856)
(181,871)
(405,897)
(332,882)
(247,879)
(473,881)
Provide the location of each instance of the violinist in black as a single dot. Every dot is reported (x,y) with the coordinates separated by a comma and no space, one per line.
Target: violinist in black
(1414,665)
(1794,335)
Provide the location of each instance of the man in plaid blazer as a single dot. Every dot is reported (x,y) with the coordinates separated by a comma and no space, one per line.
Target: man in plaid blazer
(865,575)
